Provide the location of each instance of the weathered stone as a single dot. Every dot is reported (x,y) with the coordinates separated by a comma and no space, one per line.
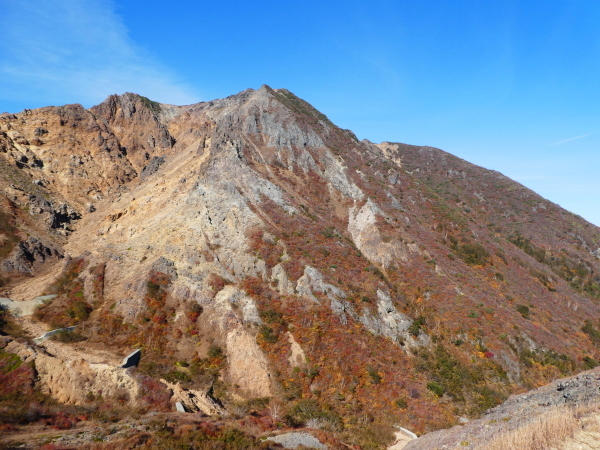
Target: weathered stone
(296,439)
(195,400)
(29,253)
(152,167)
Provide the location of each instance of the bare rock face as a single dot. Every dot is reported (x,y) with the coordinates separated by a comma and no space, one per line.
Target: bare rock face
(74,380)
(28,253)
(297,356)
(194,400)
(79,159)
(248,366)
(253,240)
(365,233)
(136,124)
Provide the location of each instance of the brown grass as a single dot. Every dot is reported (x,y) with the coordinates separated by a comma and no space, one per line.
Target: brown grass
(547,431)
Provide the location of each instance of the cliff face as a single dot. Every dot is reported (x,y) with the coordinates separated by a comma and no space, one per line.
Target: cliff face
(276,255)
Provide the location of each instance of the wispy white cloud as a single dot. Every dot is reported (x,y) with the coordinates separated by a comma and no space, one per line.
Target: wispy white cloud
(571,139)
(77,51)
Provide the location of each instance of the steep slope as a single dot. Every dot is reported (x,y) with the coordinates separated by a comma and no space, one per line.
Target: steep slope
(250,245)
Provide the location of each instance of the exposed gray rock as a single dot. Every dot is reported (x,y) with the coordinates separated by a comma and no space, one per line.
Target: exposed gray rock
(24,308)
(312,281)
(164,265)
(152,166)
(5,302)
(335,172)
(362,225)
(284,286)
(247,364)
(238,299)
(28,253)
(295,439)
(391,323)
(44,298)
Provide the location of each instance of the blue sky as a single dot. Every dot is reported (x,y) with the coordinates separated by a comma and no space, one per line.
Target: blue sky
(513,86)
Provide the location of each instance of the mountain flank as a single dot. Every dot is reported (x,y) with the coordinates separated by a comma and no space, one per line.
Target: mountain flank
(276,273)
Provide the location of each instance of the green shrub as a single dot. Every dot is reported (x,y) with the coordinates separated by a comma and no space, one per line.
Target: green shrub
(415,326)
(401,403)
(590,362)
(80,310)
(68,336)
(328,232)
(436,388)
(578,273)
(466,384)
(272,316)
(547,358)
(313,372)
(307,409)
(150,104)
(374,374)
(176,376)
(473,254)
(523,310)
(9,233)
(214,351)
(592,332)
(267,334)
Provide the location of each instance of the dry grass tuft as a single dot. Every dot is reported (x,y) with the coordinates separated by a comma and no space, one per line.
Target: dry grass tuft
(551,430)
(543,433)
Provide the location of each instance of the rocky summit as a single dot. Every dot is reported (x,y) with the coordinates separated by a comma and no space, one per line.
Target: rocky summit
(277,274)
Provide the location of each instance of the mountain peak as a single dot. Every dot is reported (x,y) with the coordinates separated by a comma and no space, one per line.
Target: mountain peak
(251,248)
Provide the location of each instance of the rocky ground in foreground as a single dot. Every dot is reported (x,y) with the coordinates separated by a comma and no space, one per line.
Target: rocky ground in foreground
(510,426)
(580,394)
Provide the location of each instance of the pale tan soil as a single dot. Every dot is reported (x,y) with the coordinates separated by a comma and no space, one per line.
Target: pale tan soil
(69,352)
(30,288)
(401,441)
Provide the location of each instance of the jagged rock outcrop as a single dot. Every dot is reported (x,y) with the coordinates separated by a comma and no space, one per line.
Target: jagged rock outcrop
(78,158)
(194,400)
(28,253)
(141,134)
(393,324)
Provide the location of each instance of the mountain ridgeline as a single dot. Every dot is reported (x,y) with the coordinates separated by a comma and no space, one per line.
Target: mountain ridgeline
(252,248)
